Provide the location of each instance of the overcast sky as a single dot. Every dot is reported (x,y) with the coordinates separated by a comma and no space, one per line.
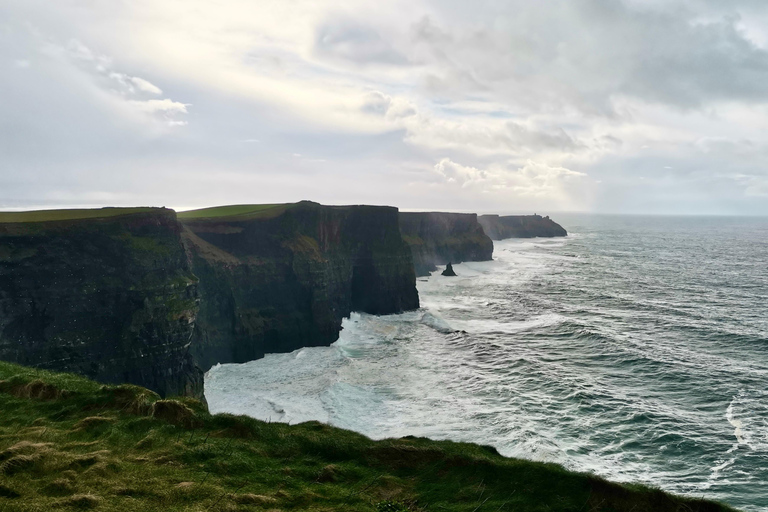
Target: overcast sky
(633,106)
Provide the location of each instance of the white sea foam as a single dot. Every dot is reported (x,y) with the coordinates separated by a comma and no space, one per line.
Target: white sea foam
(567,351)
(736,424)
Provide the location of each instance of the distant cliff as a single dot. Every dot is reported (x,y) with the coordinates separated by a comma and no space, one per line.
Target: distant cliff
(520,226)
(105,293)
(437,238)
(281,277)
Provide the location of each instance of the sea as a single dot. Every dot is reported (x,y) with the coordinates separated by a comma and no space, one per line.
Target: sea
(636,348)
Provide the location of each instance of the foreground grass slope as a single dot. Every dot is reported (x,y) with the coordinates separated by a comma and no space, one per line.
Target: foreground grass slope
(67,443)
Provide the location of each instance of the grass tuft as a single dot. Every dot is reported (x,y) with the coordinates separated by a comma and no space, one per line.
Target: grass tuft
(80,501)
(59,487)
(93,422)
(175,413)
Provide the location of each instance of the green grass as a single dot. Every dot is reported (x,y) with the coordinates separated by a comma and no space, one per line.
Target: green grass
(245,211)
(67,443)
(74,214)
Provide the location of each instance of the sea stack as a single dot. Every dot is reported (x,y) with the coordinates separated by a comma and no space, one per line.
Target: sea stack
(449,270)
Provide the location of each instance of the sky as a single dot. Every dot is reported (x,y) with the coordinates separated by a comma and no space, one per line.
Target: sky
(514,106)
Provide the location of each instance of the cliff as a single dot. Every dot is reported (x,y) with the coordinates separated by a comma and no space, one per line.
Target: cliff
(275,278)
(132,295)
(520,226)
(437,238)
(103,293)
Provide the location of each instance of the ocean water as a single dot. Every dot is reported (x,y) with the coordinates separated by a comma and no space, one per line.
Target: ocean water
(635,348)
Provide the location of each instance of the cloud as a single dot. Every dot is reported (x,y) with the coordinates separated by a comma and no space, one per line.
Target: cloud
(539,54)
(378,103)
(145,86)
(130,90)
(355,43)
(755,186)
(562,103)
(462,175)
(533,179)
(134,84)
(161,106)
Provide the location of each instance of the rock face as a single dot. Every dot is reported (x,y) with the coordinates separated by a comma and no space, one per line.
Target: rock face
(520,226)
(133,295)
(283,278)
(112,298)
(437,238)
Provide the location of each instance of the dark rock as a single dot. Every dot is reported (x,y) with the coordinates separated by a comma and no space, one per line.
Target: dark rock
(449,270)
(284,279)
(112,298)
(435,238)
(115,297)
(520,226)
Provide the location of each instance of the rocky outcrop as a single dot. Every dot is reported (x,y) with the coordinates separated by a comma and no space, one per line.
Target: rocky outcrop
(108,294)
(281,278)
(448,272)
(520,226)
(436,238)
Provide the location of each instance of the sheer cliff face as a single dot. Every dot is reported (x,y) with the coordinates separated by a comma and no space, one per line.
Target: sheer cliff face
(440,238)
(112,298)
(520,226)
(284,278)
(140,298)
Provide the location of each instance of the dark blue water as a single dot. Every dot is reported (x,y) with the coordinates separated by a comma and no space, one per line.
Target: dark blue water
(636,348)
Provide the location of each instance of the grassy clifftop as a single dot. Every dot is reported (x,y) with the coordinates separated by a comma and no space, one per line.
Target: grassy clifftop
(235,212)
(73,214)
(67,443)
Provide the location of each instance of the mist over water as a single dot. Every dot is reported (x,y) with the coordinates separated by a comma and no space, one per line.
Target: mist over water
(636,348)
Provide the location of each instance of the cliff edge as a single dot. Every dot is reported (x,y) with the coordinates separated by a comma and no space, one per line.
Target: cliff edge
(520,226)
(104,293)
(275,278)
(436,238)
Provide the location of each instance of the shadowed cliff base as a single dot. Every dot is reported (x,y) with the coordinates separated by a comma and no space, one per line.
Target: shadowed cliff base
(520,226)
(70,443)
(436,238)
